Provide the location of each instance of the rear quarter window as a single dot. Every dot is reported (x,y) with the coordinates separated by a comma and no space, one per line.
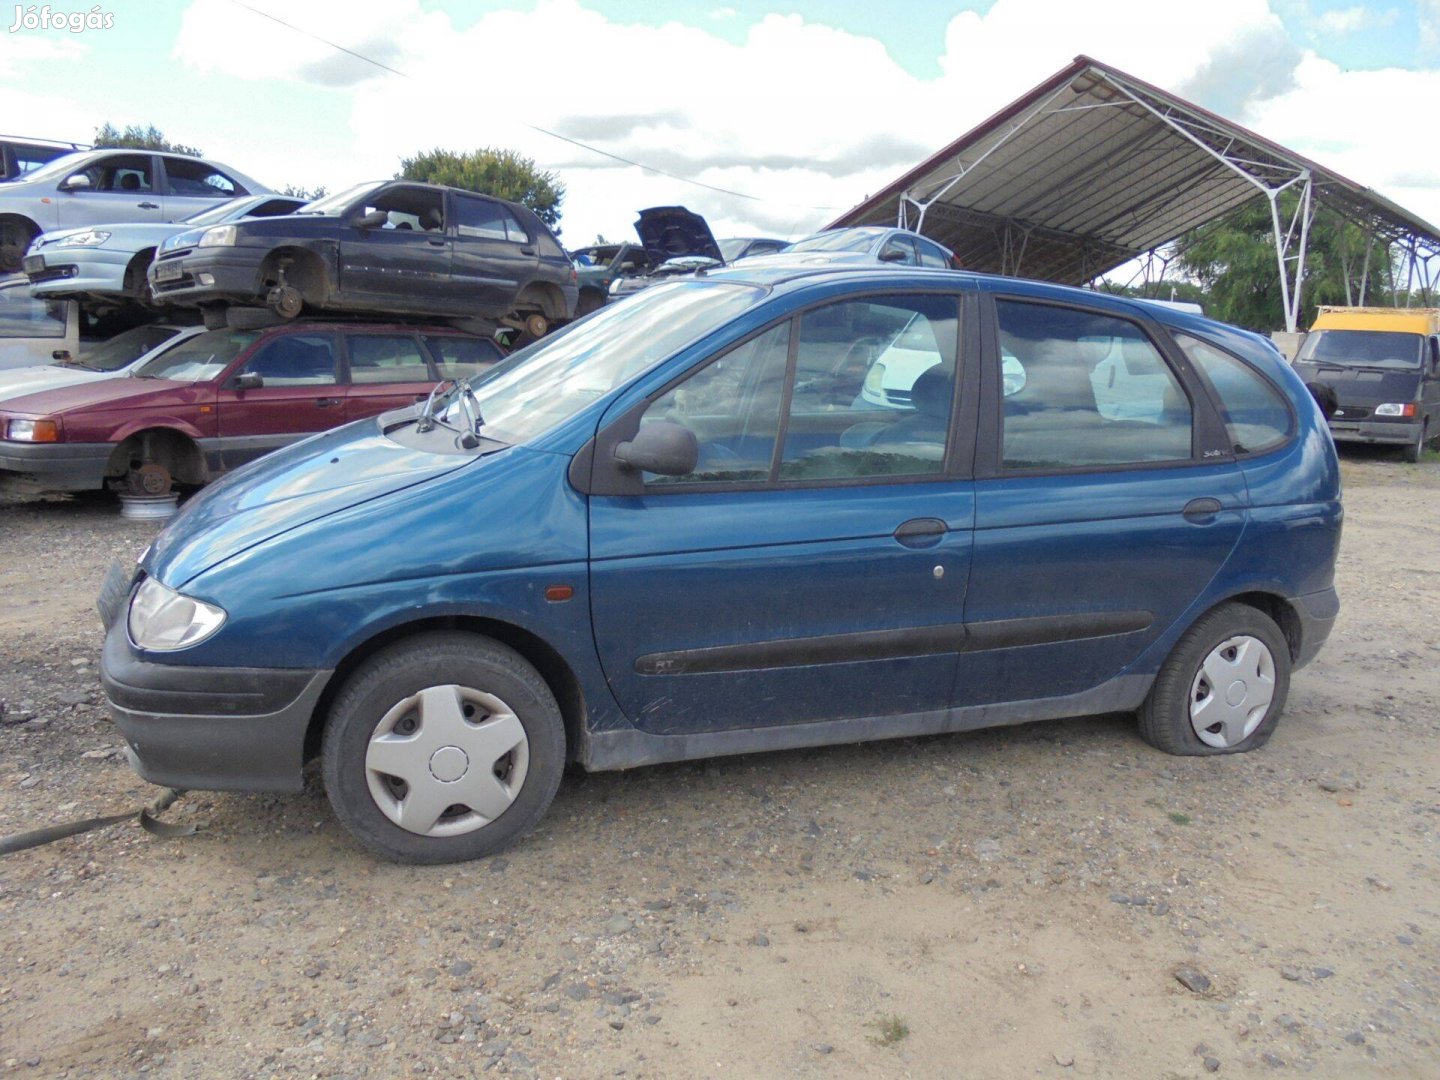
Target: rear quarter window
(1256,415)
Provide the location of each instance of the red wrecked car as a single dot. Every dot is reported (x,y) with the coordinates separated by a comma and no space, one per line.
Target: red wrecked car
(224,398)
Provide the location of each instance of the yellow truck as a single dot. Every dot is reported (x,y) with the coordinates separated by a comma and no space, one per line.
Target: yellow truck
(1384,366)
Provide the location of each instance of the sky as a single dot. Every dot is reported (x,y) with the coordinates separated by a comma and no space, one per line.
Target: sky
(797,110)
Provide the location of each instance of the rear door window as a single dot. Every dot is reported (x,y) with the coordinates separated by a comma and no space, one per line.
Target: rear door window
(389,358)
(483,219)
(1084,389)
(199,180)
(931,255)
(461,357)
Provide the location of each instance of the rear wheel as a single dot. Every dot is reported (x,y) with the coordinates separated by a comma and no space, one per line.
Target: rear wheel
(1222,689)
(442,748)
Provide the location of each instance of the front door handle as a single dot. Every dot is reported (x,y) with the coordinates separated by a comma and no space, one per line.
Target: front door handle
(436,243)
(921,532)
(327,402)
(1201,509)
(148,205)
(527,251)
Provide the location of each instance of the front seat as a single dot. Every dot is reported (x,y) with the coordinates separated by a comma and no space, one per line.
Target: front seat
(930,422)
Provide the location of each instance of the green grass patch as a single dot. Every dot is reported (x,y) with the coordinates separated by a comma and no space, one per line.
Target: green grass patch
(889,1030)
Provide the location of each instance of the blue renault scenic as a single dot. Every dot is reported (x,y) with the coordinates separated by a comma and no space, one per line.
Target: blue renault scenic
(758,509)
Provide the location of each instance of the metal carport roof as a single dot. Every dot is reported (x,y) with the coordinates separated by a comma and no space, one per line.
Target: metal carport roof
(1094,167)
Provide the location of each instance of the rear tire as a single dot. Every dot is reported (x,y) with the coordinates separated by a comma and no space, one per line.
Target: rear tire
(379,773)
(1233,661)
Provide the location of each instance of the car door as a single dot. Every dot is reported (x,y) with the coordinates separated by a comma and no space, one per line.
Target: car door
(814,564)
(406,260)
(386,372)
(299,393)
(493,254)
(122,187)
(192,186)
(1107,499)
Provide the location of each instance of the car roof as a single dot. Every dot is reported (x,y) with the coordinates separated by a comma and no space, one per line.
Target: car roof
(782,276)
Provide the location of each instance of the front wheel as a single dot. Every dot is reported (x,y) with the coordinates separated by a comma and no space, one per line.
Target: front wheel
(442,748)
(1222,689)
(1413,451)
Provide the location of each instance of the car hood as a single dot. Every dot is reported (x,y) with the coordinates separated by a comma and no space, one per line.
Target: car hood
(129,237)
(19,382)
(289,488)
(1367,388)
(668,231)
(92,392)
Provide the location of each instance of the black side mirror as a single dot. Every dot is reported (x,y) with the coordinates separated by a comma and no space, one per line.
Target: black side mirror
(661,447)
(894,255)
(250,380)
(373,220)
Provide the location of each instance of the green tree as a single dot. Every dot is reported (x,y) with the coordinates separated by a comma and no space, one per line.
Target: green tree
(1233,260)
(134,137)
(295,192)
(501,173)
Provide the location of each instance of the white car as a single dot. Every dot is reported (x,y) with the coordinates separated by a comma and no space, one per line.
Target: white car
(119,356)
(35,331)
(98,186)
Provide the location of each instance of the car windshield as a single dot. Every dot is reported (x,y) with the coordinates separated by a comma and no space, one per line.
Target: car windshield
(1363,348)
(219,213)
(553,379)
(334,205)
(61,166)
(835,240)
(201,357)
(26,316)
(124,349)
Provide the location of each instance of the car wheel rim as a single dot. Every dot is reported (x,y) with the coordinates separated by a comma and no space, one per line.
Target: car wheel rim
(447,761)
(1232,691)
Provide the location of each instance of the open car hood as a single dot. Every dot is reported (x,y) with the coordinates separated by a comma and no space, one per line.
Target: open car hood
(671,231)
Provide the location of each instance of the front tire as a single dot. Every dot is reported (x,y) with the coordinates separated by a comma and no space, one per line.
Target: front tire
(442,748)
(1223,687)
(1414,451)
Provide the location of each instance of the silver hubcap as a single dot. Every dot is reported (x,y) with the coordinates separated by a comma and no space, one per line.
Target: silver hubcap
(1232,691)
(446,761)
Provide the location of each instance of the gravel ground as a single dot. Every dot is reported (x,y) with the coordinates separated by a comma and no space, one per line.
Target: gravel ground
(1050,900)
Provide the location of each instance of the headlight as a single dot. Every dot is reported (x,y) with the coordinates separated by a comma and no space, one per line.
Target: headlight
(875,381)
(1395,408)
(89,238)
(33,431)
(219,236)
(163,620)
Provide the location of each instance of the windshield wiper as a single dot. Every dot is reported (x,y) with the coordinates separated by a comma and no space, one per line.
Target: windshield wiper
(470,438)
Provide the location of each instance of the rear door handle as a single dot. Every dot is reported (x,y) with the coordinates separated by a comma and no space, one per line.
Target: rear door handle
(148,206)
(436,243)
(327,402)
(1201,509)
(527,251)
(921,532)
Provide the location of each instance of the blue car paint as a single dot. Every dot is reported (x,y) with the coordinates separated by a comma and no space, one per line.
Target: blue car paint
(320,548)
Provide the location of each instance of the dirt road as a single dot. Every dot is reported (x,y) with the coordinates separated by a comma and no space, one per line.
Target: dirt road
(1007,903)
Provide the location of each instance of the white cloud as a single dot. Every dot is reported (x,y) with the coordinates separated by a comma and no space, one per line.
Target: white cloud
(1344,20)
(22,48)
(803,115)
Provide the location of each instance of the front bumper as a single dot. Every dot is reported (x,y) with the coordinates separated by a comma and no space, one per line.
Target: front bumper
(205,728)
(234,273)
(1399,432)
(71,271)
(1316,612)
(37,467)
